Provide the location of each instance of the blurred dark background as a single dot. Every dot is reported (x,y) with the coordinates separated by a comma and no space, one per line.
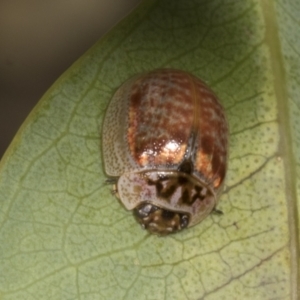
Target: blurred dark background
(39,40)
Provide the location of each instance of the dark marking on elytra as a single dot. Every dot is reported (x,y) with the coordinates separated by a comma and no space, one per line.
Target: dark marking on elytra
(185,198)
(197,196)
(168,192)
(182,180)
(166,187)
(159,186)
(198,188)
(160,190)
(186,167)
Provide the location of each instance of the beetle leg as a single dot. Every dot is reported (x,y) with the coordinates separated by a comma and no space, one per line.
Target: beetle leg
(111,181)
(217,211)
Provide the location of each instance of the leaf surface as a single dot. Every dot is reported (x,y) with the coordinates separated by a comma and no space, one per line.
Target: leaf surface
(63,235)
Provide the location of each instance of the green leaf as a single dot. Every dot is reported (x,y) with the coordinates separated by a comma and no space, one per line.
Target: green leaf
(63,235)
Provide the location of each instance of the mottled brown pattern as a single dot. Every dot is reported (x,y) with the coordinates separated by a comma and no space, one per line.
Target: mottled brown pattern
(166,106)
(154,119)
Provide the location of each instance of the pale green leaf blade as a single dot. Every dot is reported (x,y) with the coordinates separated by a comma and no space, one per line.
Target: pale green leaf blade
(63,235)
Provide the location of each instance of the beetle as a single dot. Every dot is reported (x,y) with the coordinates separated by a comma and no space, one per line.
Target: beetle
(165,143)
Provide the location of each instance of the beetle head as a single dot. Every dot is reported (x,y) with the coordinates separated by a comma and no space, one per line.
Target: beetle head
(160,221)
